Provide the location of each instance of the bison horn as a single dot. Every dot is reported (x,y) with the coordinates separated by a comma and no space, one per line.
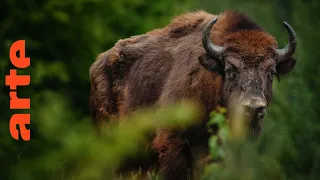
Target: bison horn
(213,50)
(286,52)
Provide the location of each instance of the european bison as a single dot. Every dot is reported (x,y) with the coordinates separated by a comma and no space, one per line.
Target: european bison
(209,59)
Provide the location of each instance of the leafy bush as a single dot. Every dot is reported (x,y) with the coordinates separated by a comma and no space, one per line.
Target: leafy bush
(75,151)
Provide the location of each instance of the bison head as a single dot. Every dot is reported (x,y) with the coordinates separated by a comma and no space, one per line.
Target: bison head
(249,61)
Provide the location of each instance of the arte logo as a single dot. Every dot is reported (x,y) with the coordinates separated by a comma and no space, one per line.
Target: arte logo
(14,80)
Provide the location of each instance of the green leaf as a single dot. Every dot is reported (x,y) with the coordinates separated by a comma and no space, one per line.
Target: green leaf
(61,16)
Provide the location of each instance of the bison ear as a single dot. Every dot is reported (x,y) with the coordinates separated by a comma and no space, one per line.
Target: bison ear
(211,64)
(286,66)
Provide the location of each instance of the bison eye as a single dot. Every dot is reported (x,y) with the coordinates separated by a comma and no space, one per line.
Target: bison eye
(272,74)
(230,74)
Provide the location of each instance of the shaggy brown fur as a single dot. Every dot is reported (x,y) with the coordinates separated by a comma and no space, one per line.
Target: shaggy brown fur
(162,67)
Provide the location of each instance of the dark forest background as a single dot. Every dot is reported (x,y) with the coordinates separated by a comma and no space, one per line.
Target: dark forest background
(63,38)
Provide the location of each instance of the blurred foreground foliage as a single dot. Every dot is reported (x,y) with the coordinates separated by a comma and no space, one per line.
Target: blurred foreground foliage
(240,158)
(75,151)
(63,39)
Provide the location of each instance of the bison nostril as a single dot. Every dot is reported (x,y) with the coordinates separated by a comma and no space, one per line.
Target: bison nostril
(252,111)
(261,109)
(248,110)
(260,115)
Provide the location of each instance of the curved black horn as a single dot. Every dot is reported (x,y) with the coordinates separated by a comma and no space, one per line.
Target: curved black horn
(287,51)
(213,50)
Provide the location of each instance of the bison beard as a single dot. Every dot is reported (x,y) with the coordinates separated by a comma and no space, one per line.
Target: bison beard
(198,57)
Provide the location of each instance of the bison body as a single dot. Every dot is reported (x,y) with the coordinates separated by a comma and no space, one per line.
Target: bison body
(171,64)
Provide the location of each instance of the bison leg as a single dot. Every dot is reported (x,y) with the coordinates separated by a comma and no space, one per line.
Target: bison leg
(174,159)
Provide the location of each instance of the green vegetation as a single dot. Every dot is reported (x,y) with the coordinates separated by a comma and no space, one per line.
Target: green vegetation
(71,150)
(64,37)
